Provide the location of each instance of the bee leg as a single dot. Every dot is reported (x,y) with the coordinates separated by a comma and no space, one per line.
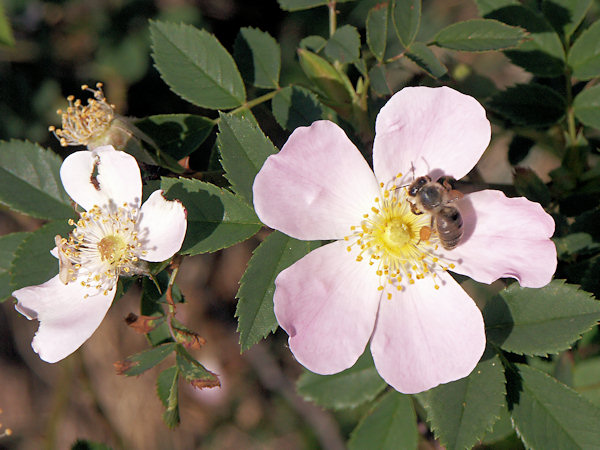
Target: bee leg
(414,209)
(424,234)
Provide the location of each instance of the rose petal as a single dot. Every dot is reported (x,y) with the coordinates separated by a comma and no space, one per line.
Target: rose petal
(424,337)
(317,186)
(162,226)
(438,131)
(505,237)
(327,302)
(118,178)
(67,319)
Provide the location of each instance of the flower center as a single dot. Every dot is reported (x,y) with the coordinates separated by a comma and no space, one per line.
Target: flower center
(103,245)
(83,123)
(112,249)
(395,234)
(400,245)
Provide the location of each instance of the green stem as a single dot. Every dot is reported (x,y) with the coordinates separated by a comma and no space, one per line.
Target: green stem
(252,103)
(571,129)
(332,18)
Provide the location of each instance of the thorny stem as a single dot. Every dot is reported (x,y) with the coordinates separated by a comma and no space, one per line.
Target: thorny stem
(175,263)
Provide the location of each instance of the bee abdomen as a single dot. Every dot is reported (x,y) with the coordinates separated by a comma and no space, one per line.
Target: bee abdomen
(449,226)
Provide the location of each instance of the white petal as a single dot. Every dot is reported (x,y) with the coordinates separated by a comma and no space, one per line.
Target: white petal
(424,337)
(317,186)
(438,131)
(67,318)
(162,227)
(117,180)
(327,303)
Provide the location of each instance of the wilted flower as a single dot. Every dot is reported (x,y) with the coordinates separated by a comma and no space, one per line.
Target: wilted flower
(113,237)
(96,124)
(383,279)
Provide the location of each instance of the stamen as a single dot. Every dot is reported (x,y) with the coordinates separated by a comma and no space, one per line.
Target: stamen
(80,123)
(390,235)
(105,244)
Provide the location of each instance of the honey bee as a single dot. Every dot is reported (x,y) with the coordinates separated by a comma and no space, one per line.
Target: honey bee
(433,197)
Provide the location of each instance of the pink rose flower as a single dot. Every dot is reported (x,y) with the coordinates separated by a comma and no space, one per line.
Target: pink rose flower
(380,281)
(113,237)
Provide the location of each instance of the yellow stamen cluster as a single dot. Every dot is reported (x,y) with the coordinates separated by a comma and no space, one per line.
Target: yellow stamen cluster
(82,123)
(103,245)
(389,238)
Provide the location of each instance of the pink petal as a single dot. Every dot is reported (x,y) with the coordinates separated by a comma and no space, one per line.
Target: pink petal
(424,337)
(118,178)
(327,302)
(67,319)
(438,131)
(505,237)
(162,227)
(317,186)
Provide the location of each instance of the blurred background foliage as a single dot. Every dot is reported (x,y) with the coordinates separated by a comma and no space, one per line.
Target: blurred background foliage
(60,45)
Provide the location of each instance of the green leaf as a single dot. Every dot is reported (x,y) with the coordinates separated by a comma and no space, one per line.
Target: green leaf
(479,35)
(422,55)
(297,5)
(196,66)
(461,412)
(529,185)
(518,149)
(530,104)
(407,19)
(487,6)
(295,106)
(379,82)
(574,243)
(335,87)
(587,107)
(244,149)
(378,21)
(178,135)
(540,321)
(85,444)
(6,34)
(30,181)
(344,45)
(255,306)
(502,428)
(151,304)
(259,57)
(167,391)
(33,264)
(584,56)
(565,15)
(586,379)
(548,414)
(142,361)
(313,43)
(216,218)
(193,372)
(542,53)
(9,244)
(352,387)
(391,424)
